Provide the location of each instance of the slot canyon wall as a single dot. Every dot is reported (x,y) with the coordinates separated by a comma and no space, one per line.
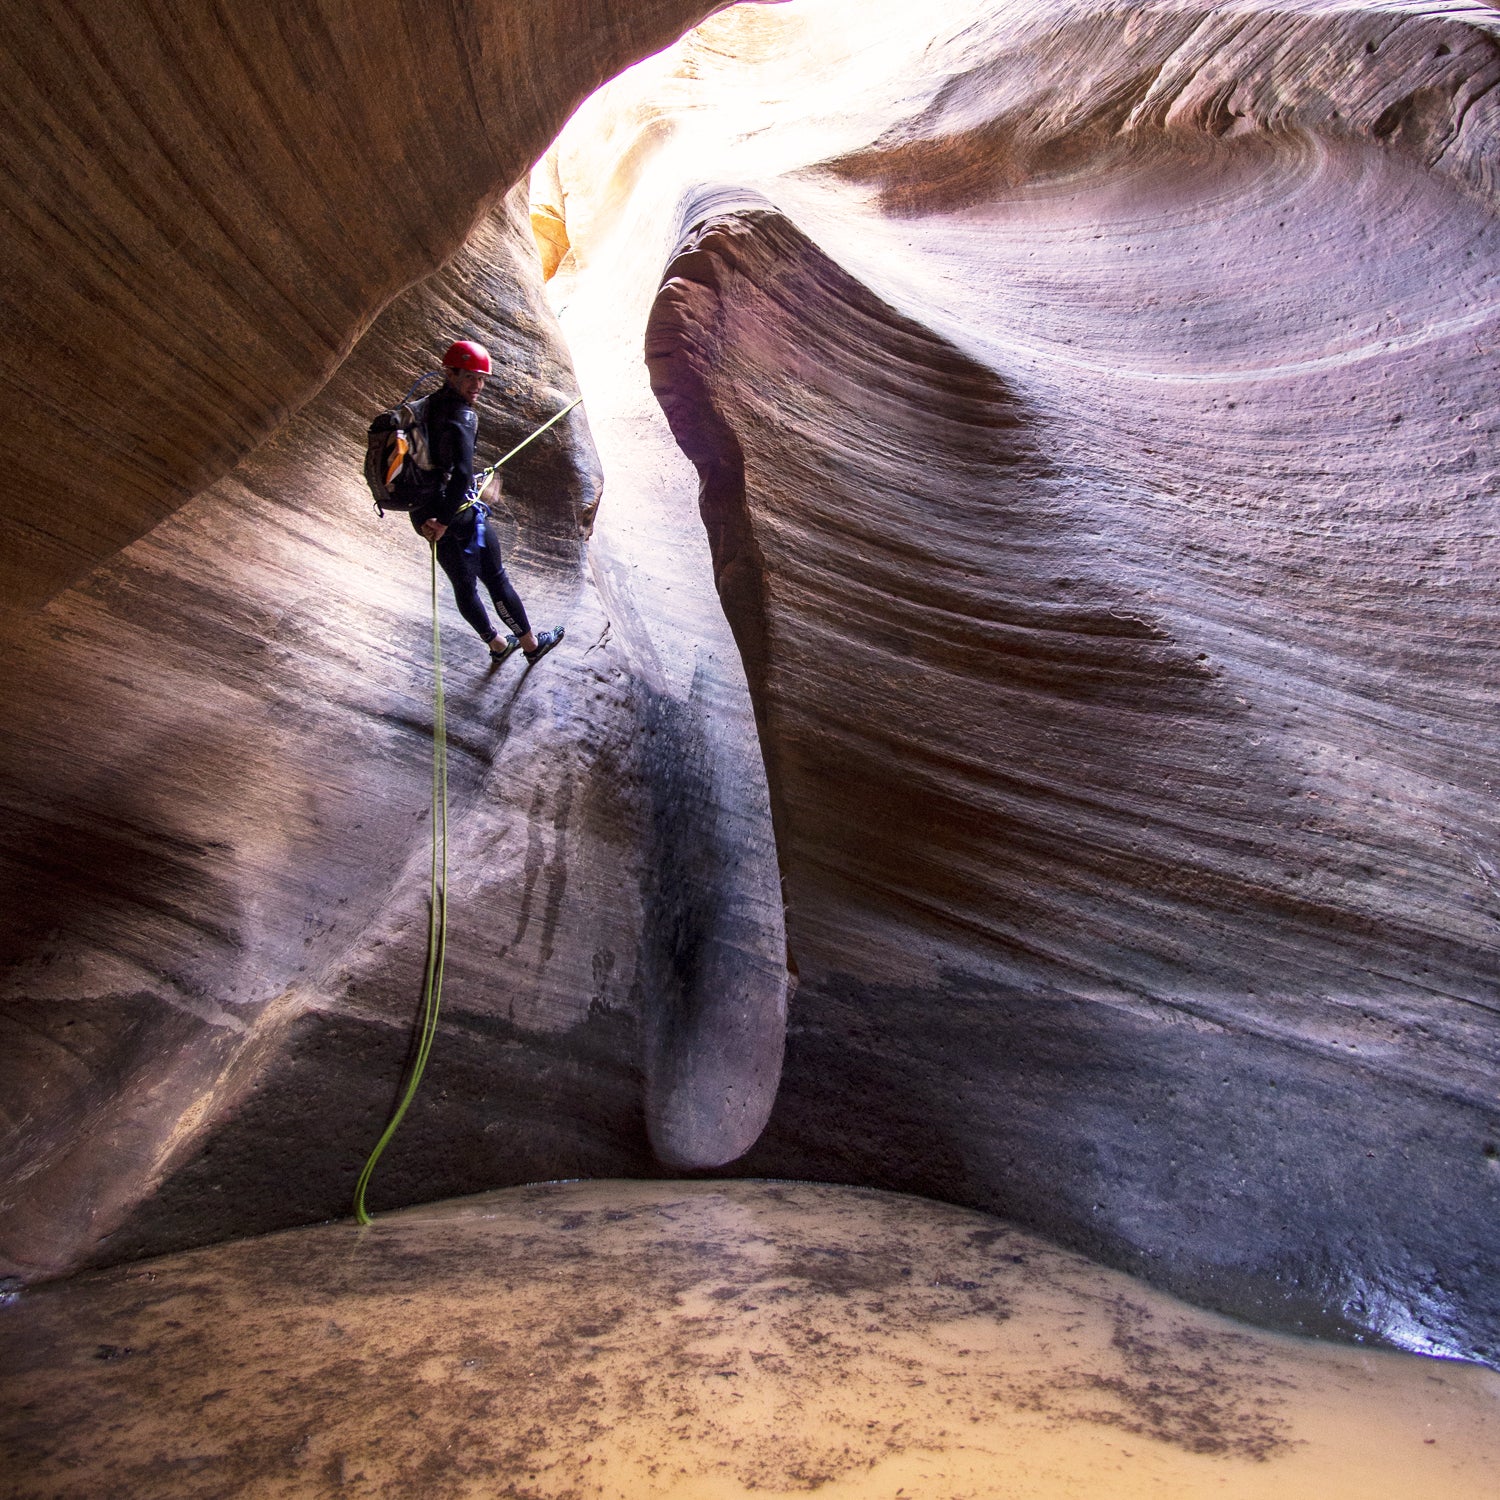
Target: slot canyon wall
(203,211)
(216,783)
(1094,415)
(1091,414)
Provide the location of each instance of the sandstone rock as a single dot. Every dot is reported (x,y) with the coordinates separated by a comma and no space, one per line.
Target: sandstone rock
(1091,413)
(217,779)
(203,212)
(1093,457)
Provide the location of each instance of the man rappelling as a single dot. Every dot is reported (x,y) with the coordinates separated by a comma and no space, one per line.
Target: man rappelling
(445,508)
(419,457)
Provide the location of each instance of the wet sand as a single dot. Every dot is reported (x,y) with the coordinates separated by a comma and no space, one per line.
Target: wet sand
(700,1340)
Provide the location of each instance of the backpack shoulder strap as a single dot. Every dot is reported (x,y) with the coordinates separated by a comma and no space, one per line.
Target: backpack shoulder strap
(412,417)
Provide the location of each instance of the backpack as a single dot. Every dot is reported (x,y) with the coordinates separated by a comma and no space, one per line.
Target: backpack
(398,462)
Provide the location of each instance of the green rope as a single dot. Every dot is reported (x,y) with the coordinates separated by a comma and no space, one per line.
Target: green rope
(525,442)
(437,907)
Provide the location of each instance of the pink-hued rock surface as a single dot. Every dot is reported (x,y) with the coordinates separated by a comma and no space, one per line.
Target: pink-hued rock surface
(222,885)
(1093,612)
(216,778)
(1095,417)
(204,207)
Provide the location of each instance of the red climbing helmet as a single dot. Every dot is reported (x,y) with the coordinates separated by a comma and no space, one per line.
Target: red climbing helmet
(467,355)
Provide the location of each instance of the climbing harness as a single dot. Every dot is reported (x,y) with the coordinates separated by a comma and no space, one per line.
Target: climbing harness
(437,906)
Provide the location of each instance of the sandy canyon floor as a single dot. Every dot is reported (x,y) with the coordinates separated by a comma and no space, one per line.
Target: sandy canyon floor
(702,1339)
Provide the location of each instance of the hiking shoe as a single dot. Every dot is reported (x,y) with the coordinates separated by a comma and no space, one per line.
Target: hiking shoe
(545,641)
(501,647)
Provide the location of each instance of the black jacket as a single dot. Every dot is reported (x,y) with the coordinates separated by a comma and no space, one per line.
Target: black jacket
(451,427)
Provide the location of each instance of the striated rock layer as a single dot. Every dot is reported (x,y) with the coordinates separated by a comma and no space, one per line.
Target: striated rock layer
(216,778)
(204,207)
(1095,420)
(216,743)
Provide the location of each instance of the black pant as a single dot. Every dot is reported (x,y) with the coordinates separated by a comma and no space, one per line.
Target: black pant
(469,552)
